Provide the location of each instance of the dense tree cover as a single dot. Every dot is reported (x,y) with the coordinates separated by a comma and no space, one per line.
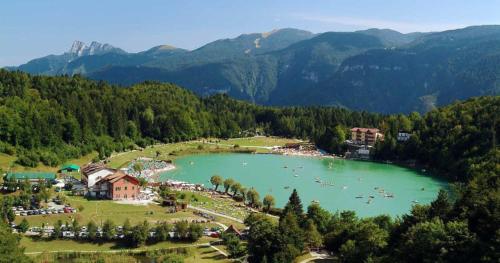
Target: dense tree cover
(458,141)
(451,141)
(9,246)
(51,119)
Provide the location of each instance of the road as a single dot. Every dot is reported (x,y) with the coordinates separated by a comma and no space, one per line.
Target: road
(316,256)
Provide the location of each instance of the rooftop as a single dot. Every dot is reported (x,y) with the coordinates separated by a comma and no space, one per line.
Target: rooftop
(70,166)
(31,175)
(373,130)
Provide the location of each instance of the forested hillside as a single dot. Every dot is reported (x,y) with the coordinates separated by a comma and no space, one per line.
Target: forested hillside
(52,119)
(376,70)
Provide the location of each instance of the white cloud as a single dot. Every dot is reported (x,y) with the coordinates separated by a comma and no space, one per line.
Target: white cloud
(364,23)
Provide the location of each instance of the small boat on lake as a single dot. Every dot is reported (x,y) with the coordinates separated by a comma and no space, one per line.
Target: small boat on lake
(389,195)
(415,201)
(296,175)
(315,201)
(344,187)
(359,196)
(286,187)
(371,196)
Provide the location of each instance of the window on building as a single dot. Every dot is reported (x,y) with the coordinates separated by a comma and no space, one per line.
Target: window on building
(133,187)
(117,188)
(125,188)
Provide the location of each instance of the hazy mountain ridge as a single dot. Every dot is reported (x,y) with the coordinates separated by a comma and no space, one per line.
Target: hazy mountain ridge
(376,69)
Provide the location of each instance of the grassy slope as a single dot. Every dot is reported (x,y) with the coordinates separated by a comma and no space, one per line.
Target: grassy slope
(101,210)
(196,254)
(182,148)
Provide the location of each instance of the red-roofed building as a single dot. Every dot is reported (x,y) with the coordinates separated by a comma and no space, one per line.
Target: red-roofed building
(366,136)
(117,186)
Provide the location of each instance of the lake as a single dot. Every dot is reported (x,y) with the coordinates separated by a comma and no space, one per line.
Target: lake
(337,184)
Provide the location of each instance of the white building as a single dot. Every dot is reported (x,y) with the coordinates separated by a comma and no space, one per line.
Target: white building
(92,173)
(403,136)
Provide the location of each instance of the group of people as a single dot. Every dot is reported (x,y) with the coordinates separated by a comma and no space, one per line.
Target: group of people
(148,169)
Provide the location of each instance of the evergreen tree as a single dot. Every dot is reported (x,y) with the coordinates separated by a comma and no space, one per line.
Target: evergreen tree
(441,206)
(294,206)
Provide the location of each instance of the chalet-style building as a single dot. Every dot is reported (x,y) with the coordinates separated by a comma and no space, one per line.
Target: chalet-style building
(365,136)
(95,172)
(117,186)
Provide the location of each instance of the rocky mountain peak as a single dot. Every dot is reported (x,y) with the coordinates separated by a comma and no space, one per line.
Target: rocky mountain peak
(79,48)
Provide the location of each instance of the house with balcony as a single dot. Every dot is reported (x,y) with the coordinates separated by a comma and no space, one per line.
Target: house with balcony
(365,136)
(117,186)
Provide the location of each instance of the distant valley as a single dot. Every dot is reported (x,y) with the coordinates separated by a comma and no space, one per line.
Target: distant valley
(376,70)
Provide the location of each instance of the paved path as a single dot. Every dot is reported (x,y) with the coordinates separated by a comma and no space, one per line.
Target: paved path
(316,256)
(220,251)
(215,213)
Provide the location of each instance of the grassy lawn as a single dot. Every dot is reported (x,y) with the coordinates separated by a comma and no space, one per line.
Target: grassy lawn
(44,245)
(101,210)
(7,161)
(119,160)
(194,254)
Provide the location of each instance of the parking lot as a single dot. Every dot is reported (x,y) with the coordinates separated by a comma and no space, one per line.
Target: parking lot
(20,211)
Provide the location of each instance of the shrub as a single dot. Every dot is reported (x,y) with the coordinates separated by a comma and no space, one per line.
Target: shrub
(29,159)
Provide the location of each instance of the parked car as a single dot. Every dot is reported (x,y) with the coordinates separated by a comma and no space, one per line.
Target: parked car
(68,234)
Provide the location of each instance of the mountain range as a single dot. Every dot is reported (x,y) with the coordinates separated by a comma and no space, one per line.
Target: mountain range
(377,70)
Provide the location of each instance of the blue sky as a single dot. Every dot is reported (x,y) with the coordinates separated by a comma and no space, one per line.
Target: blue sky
(34,28)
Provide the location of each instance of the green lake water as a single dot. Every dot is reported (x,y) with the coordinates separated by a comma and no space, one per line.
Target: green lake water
(350,179)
